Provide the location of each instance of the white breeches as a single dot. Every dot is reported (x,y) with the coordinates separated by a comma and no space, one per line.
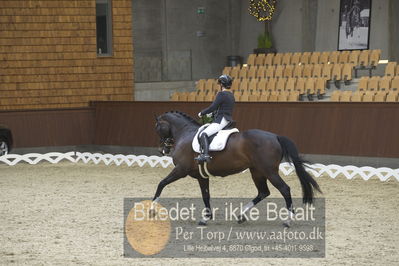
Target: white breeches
(215,127)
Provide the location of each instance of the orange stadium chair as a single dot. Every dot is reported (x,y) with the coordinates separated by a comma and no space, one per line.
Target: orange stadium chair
(320,87)
(270,72)
(261,73)
(277,59)
(298,70)
(279,71)
(191,96)
(293,96)
(264,97)
(317,71)
(226,71)
(253,85)
(372,84)
(354,57)
(314,58)
(347,72)
(337,72)
(234,73)
(251,74)
(307,71)
(326,72)
(345,96)
(384,84)
(242,74)
(237,94)
(283,96)
(343,57)
(287,72)
(200,97)
(174,97)
(290,85)
(375,57)
(324,58)
(333,59)
(392,96)
(183,97)
(305,58)
(300,86)
(390,69)
(369,96)
(280,85)
(395,84)
(260,60)
(200,85)
(273,96)
(243,85)
(269,59)
(362,86)
(254,96)
(209,84)
(286,59)
(335,96)
(251,59)
(296,58)
(244,97)
(235,85)
(310,88)
(262,85)
(364,58)
(380,96)
(271,84)
(357,96)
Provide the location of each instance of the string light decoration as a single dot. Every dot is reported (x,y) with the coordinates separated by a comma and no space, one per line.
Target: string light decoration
(262,10)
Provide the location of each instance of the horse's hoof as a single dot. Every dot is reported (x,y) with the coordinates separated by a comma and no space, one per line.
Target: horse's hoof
(152,213)
(241,219)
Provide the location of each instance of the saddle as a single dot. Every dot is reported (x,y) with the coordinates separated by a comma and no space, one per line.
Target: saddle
(217,141)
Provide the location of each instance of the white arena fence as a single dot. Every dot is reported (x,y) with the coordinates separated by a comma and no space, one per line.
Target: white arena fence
(317,170)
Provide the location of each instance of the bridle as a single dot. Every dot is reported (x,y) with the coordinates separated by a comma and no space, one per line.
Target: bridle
(166,145)
(166,140)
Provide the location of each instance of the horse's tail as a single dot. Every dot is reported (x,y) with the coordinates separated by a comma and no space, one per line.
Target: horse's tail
(290,153)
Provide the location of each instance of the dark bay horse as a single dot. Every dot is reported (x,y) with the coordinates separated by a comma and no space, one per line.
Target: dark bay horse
(259,151)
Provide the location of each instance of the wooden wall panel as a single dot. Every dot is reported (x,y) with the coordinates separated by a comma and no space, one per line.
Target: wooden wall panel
(354,129)
(358,129)
(48,54)
(43,128)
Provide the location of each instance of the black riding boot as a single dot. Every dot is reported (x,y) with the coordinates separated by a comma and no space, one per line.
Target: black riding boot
(204,156)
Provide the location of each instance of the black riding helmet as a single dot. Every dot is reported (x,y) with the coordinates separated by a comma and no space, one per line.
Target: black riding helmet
(225,80)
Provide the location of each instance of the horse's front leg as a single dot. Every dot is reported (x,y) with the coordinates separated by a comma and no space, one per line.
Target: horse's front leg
(204,185)
(176,174)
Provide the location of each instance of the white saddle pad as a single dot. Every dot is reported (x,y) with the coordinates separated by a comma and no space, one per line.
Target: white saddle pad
(219,141)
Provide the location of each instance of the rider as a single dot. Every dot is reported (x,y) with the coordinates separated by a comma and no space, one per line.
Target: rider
(222,107)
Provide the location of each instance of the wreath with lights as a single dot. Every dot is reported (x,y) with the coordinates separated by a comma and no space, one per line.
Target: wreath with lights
(262,10)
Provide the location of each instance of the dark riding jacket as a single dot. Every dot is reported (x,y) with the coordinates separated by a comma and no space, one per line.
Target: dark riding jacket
(222,106)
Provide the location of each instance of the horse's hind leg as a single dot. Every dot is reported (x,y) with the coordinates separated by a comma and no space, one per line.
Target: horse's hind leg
(284,189)
(263,192)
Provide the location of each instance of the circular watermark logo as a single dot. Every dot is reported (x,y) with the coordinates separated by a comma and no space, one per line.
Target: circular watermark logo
(148,227)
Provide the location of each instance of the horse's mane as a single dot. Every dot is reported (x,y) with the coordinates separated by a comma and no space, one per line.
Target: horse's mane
(186,116)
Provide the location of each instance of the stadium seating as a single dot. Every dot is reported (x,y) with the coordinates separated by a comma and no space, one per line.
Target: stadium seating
(290,76)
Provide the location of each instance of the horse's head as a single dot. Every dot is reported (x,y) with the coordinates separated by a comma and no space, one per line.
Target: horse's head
(171,125)
(163,129)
